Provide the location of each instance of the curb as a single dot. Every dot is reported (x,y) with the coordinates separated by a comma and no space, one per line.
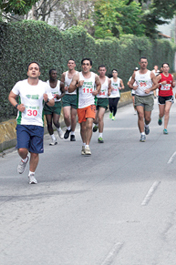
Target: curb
(8,128)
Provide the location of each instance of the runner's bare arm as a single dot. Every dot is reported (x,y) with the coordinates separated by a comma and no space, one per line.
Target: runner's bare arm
(63,80)
(98,86)
(131,82)
(62,91)
(74,83)
(173,81)
(155,83)
(122,85)
(109,87)
(50,102)
(12,99)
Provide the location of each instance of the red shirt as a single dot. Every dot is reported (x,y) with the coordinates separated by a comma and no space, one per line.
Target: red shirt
(166,90)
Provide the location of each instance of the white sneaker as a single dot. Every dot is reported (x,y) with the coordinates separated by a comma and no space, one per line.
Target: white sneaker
(61,134)
(32,179)
(22,165)
(83,150)
(87,151)
(54,142)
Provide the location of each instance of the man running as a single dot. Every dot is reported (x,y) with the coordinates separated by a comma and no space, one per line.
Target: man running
(165,99)
(53,113)
(117,85)
(133,91)
(102,102)
(144,101)
(69,101)
(30,130)
(85,82)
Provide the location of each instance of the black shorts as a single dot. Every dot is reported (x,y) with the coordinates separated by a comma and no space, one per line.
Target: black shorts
(162,100)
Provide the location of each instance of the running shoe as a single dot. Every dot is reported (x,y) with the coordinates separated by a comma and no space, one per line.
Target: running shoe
(61,134)
(113,118)
(159,121)
(100,140)
(95,128)
(22,165)
(32,179)
(110,115)
(72,138)
(66,135)
(147,130)
(143,138)
(165,131)
(83,150)
(54,142)
(87,151)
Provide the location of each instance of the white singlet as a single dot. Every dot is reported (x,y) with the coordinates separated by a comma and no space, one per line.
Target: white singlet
(84,93)
(55,90)
(32,98)
(104,89)
(134,84)
(156,73)
(115,93)
(143,82)
(67,83)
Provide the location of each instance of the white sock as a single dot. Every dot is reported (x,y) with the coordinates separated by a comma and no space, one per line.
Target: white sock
(146,125)
(53,137)
(25,160)
(59,129)
(101,135)
(31,173)
(72,133)
(86,146)
(142,133)
(69,128)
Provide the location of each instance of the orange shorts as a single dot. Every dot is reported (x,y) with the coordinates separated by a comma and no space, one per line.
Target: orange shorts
(87,112)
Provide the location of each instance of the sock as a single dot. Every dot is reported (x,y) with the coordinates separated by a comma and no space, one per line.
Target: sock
(69,128)
(31,173)
(146,126)
(59,129)
(142,133)
(53,137)
(100,135)
(25,160)
(72,133)
(86,146)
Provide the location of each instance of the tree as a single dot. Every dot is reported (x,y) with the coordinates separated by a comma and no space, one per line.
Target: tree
(116,17)
(18,7)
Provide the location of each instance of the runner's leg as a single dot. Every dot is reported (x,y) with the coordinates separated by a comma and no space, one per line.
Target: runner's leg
(101,113)
(140,111)
(166,113)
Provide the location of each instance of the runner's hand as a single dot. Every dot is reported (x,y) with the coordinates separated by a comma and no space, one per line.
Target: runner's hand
(66,88)
(147,91)
(45,97)
(95,92)
(21,107)
(135,87)
(58,96)
(80,83)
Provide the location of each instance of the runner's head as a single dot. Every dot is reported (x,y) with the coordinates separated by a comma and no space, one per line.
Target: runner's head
(143,63)
(156,67)
(71,64)
(33,70)
(165,68)
(102,70)
(86,65)
(53,74)
(114,73)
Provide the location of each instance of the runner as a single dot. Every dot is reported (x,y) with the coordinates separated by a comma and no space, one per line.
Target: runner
(102,102)
(30,122)
(53,113)
(165,99)
(133,91)
(85,82)
(144,101)
(117,85)
(69,101)
(156,73)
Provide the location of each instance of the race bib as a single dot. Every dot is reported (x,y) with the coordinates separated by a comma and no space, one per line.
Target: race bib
(31,111)
(142,83)
(165,87)
(102,93)
(87,90)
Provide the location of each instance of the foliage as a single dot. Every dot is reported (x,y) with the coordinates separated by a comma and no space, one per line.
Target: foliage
(22,42)
(19,7)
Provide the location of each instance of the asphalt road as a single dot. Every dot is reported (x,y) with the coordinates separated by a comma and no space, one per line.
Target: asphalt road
(116,207)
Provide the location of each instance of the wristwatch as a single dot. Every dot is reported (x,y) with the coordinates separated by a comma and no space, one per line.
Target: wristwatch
(47,100)
(16,105)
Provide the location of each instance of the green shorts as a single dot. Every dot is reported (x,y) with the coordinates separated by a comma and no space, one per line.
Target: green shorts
(145,101)
(102,103)
(55,109)
(69,100)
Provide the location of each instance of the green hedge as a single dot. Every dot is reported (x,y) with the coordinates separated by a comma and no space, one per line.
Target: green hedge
(25,41)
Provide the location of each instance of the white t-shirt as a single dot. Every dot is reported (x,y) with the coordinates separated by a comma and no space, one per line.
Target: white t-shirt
(55,91)
(104,89)
(68,82)
(32,98)
(84,93)
(115,93)
(143,82)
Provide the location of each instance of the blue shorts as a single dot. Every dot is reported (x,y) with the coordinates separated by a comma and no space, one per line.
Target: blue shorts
(30,137)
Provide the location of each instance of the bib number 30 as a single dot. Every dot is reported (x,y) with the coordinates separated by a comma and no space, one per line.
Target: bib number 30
(32,112)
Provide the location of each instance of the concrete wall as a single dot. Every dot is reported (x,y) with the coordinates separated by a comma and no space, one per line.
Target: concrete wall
(8,128)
